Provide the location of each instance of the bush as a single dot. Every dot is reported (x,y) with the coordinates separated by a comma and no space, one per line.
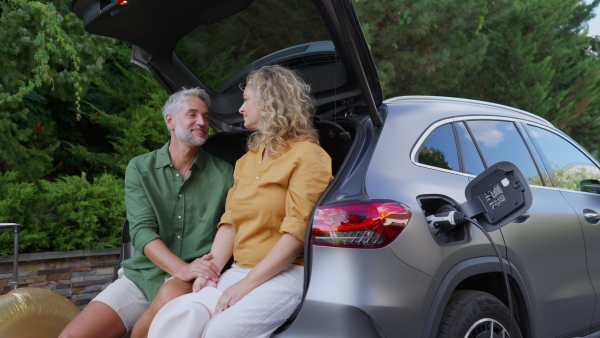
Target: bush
(68,214)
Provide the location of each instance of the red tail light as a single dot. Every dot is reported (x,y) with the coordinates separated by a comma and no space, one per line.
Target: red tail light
(364,224)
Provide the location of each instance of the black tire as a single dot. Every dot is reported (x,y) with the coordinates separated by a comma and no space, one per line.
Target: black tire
(474,314)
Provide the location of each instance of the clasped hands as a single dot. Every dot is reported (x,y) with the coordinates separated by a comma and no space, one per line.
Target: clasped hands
(201,268)
(231,295)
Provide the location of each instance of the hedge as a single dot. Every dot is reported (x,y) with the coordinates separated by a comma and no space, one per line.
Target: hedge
(69,213)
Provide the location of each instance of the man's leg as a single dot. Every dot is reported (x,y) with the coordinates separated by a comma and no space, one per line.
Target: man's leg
(172,289)
(111,314)
(96,320)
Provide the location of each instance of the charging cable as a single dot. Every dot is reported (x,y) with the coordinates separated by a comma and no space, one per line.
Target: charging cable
(509,296)
(446,219)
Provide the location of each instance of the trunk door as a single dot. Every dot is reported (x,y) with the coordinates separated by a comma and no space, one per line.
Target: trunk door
(214,44)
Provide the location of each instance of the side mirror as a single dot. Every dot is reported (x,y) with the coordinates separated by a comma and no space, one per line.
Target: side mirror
(497,196)
(592,186)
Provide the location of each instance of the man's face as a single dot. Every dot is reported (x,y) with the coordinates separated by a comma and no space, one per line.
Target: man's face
(191,123)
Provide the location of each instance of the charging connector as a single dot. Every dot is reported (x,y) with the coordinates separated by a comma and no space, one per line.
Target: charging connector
(445,220)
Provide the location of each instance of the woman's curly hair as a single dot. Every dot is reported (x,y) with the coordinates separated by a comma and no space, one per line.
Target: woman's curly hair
(286,109)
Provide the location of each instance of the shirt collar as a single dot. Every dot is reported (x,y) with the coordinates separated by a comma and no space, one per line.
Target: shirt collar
(162,156)
(163,159)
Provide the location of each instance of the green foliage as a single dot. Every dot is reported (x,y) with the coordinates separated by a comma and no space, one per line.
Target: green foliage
(43,75)
(427,46)
(123,118)
(42,134)
(69,214)
(26,142)
(530,54)
(72,103)
(216,52)
(538,60)
(50,37)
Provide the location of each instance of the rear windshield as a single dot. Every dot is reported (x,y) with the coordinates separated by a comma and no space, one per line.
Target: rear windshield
(218,53)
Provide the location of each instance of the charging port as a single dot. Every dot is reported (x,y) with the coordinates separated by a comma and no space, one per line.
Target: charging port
(431,205)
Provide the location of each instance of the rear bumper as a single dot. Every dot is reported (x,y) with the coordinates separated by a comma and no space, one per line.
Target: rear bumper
(362,293)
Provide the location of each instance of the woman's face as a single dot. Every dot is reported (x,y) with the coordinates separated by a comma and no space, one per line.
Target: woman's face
(250,110)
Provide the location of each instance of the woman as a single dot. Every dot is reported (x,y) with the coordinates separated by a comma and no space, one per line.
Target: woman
(276,185)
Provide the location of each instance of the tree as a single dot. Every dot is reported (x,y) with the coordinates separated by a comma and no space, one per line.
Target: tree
(529,54)
(123,117)
(538,59)
(427,46)
(45,72)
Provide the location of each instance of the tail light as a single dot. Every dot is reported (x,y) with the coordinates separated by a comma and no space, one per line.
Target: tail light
(364,224)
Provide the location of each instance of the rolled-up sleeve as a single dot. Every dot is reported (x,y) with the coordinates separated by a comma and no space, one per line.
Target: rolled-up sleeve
(307,182)
(143,225)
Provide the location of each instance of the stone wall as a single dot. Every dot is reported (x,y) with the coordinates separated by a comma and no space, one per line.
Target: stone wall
(78,275)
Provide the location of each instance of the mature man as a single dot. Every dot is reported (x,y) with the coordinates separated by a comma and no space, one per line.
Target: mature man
(174,197)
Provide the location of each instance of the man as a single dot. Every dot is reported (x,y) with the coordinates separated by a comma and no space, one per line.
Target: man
(174,197)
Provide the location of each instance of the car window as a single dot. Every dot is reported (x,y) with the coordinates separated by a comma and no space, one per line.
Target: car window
(439,150)
(570,168)
(216,53)
(501,141)
(471,159)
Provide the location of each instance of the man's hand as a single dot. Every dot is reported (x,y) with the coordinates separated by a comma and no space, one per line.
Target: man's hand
(200,267)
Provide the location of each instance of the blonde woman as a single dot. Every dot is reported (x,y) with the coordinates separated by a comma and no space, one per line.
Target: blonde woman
(276,185)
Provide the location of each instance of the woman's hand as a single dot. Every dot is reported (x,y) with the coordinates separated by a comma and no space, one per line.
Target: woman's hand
(280,256)
(202,282)
(233,294)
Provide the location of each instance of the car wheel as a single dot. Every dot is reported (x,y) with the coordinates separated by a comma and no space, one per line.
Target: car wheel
(476,314)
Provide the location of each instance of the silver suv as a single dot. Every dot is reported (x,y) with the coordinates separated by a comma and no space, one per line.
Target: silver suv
(375,266)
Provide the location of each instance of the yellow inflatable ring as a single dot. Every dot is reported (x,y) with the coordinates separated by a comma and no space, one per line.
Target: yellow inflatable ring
(33,312)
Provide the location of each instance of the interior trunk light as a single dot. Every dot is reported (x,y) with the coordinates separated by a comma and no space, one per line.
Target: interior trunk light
(363,224)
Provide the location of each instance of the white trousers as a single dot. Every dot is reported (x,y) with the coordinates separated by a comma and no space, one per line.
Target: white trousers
(258,314)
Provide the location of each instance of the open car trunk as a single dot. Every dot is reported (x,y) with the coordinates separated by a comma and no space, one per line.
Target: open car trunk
(214,44)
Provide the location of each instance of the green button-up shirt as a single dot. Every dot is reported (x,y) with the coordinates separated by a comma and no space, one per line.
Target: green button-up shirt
(183,214)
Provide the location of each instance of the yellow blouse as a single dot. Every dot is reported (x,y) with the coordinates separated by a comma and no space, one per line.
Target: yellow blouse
(271,198)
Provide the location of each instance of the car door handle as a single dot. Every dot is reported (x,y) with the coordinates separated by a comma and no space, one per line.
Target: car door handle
(523,218)
(592,217)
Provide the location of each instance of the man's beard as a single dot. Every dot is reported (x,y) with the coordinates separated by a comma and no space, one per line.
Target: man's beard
(186,137)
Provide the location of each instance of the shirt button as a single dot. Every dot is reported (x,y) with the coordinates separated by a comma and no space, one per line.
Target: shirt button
(178,237)
(257,177)
(259,162)
(177,175)
(179,217)
(180,195)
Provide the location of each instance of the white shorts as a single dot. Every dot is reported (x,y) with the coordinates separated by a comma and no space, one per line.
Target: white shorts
(126,299)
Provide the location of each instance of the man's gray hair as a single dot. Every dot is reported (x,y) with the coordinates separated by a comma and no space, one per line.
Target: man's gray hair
(175,101)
